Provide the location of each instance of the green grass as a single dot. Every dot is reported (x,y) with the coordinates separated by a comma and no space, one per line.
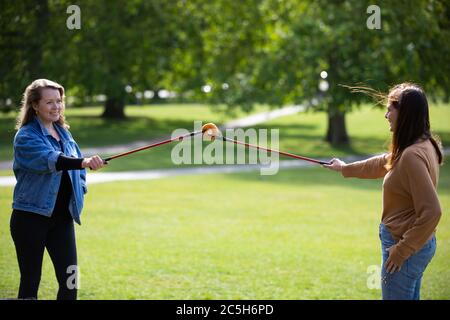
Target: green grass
(366,126)
(142,123)
(301,234)
(301,133)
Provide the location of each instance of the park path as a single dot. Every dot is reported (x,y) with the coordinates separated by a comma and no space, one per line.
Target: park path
(238,123)
(102,177)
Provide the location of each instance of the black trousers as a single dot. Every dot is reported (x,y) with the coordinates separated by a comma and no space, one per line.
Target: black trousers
(32,233)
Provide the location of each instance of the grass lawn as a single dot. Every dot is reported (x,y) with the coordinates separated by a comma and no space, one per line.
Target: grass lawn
(142,123)
(366,126)
(301,133)
(301,234)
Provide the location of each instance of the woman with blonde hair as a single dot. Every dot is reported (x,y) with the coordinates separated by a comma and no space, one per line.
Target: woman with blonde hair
(48,196)
(411,208)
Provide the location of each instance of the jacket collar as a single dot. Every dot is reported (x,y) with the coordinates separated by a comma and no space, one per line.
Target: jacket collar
(40,126)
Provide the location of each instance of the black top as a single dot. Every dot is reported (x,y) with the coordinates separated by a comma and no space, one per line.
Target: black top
(68,163)
(65,163)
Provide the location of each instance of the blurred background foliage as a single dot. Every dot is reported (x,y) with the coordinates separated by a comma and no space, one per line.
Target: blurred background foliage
(238,53)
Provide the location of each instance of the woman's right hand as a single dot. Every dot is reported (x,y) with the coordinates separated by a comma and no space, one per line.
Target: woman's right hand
(335,164)
(94,163)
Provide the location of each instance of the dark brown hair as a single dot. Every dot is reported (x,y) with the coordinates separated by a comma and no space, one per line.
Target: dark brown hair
(413,120)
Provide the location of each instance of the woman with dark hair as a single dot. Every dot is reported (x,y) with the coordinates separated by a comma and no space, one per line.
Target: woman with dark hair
(48,195)
(411,209)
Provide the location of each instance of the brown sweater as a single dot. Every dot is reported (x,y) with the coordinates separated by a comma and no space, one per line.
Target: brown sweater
(411,209)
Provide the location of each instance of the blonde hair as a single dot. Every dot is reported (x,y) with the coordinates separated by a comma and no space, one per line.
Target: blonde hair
(32,95)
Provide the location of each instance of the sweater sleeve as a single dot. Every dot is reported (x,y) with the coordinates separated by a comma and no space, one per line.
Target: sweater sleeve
(426,205)
(372,168)
(68,163)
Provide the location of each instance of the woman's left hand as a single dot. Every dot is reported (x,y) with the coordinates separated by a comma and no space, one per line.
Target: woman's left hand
(390,265)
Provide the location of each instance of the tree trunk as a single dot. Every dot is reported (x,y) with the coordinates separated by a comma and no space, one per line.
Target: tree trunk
(337,131)
(114,109)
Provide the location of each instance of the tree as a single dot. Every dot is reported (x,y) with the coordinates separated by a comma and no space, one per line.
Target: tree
(273,52)
(248,52)
(123,43)
(35,43)
(21,49)
(120,43)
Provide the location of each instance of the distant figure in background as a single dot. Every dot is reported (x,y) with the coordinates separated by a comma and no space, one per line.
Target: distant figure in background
(48,195)
(411,209)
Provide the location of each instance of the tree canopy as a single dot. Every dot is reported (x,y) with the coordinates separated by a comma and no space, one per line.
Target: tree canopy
(240,53)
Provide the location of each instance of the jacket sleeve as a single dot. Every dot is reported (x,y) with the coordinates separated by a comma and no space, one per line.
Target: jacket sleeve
(372,168)
(426,205)
(33,154)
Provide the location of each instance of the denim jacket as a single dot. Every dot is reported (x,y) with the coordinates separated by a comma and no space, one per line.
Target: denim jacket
(35,156)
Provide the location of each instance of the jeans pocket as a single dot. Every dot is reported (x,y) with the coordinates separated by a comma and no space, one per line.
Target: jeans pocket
(418,262)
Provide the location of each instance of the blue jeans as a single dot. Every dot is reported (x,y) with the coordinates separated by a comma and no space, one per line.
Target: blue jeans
(404,284)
